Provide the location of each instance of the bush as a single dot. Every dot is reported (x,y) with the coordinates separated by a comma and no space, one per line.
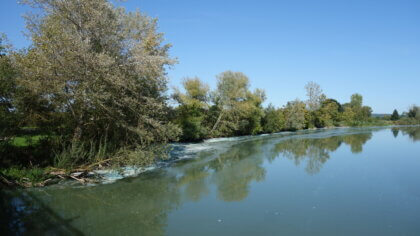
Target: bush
(20,174)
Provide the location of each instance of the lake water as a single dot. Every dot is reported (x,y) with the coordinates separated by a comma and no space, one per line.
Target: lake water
(347,181)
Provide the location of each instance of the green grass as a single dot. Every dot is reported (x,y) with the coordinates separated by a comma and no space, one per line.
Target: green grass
(24,141)
(18,174)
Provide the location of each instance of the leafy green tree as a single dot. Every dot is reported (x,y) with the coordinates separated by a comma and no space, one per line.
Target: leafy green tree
(192,108)
(273,120)
(348,115)
(355,112)
(329,114)
(414,112)
(240,111)
(356,100)
(366,113)
(232,88)
(395,115)
(295,113)
(100,70)
(8,118)
(314,103)
(251,113)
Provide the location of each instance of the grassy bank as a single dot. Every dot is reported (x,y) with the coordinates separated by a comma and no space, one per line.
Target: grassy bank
(37,159)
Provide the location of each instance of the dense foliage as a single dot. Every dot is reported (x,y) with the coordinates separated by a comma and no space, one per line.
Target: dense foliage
(93,81)
(234,110)
(395,115)
(92,89)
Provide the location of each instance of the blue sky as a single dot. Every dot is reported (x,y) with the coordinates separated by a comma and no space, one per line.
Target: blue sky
(369,47)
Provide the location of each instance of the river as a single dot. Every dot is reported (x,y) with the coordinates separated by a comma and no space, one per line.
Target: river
(344,181)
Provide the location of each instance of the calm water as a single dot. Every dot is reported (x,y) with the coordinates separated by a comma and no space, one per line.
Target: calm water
(332,182)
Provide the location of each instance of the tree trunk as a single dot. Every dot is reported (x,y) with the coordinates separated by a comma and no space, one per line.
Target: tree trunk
(78,131)
(217,121)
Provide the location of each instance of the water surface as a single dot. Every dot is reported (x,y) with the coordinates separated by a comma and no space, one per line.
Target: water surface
(356,181)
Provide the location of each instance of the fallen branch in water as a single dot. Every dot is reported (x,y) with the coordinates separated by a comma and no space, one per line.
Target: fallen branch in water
(80,176)
(6,181)
(80,180)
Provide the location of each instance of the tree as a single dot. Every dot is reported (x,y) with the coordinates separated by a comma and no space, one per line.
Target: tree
(355,111)
(238,110)
(356,100)
(232,87)
(191,111)
(329,114)
(348,115)
(366,113)
(414,112)
(315,96)
(395,115)
(273,120)
(295,113)
(8,119)
(100,68)
(251,113)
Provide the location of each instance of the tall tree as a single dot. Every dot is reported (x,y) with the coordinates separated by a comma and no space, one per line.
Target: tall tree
(273,120)
(101,68)
(328,114)
(8,119)
(239,110)
(295,113)
(414,112)
(192,106)
(315,96)
(251,113)
(355,111)
(232,88)
(356,100)
(395,115)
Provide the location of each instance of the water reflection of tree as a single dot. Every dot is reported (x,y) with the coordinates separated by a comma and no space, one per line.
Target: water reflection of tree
(142,204)
(356,141)
(194,180)
(231,172)
(317,151)
(235,169)
(412,132)
(395,132)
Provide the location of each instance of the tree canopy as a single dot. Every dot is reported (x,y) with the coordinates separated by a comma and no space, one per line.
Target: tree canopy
(101,68)
(395,115)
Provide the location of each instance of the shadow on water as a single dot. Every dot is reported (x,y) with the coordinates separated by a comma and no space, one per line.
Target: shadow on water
(125,208)
(24,212)
(142,204)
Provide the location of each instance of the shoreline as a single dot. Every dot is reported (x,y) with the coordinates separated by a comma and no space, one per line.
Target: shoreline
(185,151)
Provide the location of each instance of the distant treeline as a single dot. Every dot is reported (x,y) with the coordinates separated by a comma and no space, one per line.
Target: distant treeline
(232,110)
(91,90)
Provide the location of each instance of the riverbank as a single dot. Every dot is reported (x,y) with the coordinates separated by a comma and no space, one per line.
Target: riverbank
(103,173)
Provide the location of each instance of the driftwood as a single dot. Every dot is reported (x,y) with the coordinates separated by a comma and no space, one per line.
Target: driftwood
(80,180)
(10,183)
(6,182)
(80,174)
